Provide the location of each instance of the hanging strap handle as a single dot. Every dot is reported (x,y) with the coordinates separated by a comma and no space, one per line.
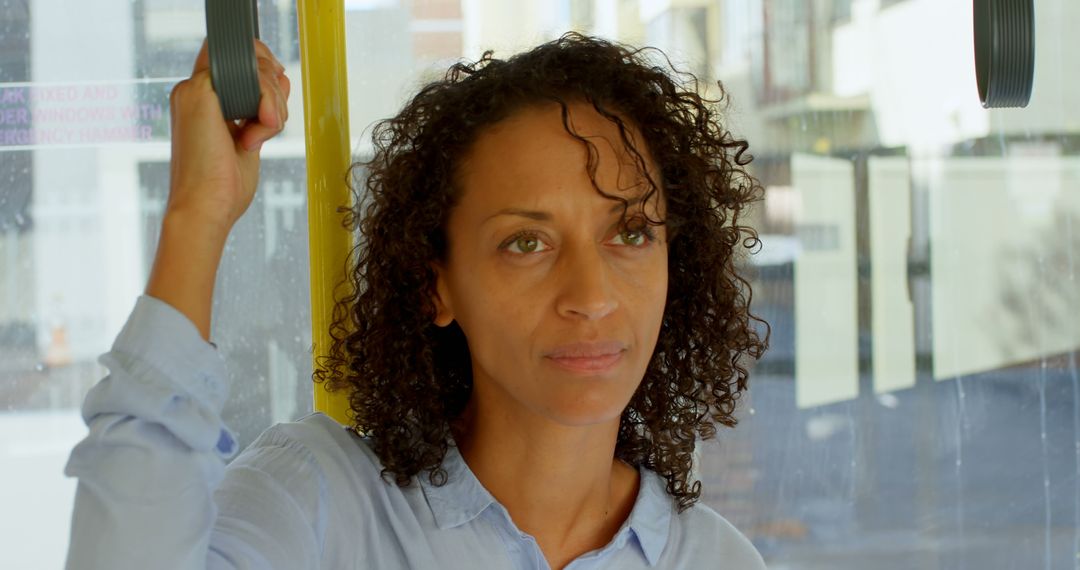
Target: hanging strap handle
(231,29)
(1004,52)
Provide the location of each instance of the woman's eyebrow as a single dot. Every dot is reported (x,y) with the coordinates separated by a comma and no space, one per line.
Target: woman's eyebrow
(546,216)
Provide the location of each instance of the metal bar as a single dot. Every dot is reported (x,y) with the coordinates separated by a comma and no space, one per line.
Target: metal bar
(326,120)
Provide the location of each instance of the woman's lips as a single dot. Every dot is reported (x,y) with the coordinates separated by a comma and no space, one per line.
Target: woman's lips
(584,349)
(589,364)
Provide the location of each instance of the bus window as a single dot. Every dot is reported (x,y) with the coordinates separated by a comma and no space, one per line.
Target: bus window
(919,256)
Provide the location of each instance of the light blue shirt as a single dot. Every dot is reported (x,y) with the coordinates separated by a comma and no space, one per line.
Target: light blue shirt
(154,490)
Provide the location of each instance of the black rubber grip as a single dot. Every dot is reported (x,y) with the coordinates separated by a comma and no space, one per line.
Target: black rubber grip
(231,29)
(1004,52)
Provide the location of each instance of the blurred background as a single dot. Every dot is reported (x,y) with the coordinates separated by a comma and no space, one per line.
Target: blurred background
(919,406)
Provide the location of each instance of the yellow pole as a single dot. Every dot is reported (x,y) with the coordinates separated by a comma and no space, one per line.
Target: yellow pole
(326,120)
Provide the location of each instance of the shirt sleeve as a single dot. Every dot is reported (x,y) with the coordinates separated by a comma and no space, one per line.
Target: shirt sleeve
(153,488)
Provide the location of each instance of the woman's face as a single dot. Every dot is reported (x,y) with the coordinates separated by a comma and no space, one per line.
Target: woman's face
(536,262)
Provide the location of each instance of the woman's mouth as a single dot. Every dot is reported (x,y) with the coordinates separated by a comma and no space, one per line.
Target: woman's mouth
(588,364)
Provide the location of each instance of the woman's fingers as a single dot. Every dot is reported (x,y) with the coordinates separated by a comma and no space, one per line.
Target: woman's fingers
(272,102)
(277,70)
(263,50)
(284,84)
(202,61)
(273,109)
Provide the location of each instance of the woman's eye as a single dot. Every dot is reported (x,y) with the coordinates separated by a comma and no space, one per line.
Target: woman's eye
(526,243)
(639,237)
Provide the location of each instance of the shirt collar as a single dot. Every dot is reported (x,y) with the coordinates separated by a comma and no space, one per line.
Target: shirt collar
(650,519)
(463,498)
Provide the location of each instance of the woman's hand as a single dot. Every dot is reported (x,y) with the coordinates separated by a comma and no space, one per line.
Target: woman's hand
(214,171)
(215,163)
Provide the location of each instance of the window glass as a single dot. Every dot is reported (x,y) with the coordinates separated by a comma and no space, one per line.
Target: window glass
(84,163)
(919,406)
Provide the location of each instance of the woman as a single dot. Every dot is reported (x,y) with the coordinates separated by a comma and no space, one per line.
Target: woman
(544,316)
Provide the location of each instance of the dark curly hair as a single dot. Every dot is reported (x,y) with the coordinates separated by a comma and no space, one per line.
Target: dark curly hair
(408,380)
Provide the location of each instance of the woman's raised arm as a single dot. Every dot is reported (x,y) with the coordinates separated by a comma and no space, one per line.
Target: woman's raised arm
(157,447)
(213,174)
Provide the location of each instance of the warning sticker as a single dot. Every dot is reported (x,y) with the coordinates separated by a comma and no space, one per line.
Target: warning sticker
(84,114)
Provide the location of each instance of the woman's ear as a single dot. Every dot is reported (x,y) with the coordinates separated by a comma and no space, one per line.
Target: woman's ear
(444,313)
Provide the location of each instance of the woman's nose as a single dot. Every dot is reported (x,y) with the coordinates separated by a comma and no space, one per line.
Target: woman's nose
(586,285)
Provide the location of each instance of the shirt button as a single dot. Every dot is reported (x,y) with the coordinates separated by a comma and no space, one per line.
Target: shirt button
(225,443)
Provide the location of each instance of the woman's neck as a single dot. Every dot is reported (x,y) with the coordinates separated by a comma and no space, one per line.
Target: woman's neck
(560,484)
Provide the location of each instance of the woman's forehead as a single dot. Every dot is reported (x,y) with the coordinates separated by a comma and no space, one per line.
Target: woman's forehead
(543,123)
(530,156)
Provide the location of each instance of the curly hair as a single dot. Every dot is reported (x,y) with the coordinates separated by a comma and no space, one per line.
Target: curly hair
(408,380)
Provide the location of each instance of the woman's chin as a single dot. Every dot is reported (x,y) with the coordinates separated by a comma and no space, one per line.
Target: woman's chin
(583,411)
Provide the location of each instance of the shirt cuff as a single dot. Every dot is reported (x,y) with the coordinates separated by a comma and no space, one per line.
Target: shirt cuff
(164,372)
(167,340)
